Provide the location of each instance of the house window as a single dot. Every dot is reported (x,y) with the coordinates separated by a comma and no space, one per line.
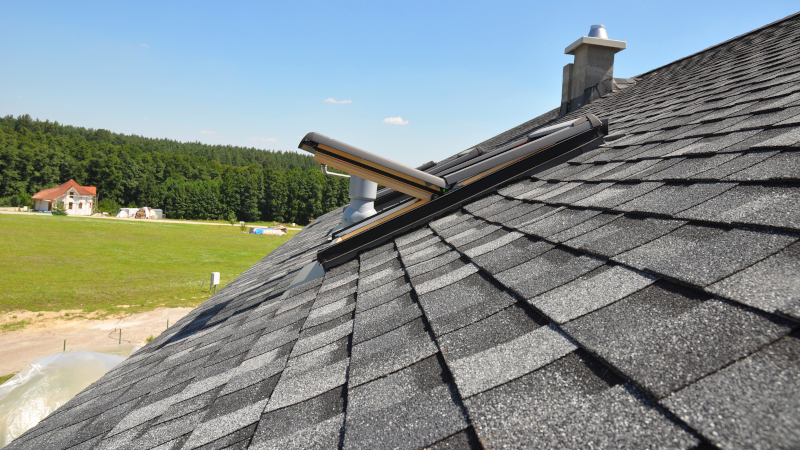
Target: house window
(71,196)
(70,205)
(80,205)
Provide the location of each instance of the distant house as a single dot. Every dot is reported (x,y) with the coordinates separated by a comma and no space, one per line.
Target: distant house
(78,200)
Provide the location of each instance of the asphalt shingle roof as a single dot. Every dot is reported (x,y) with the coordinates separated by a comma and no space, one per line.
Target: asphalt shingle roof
(643,294)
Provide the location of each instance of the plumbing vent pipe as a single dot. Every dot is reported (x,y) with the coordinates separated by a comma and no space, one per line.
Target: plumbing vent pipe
(362,200)
(362,197)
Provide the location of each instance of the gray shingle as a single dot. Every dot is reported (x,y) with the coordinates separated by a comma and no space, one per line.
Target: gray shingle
(323,435)
(378,259)
(596,289)
(783,166)
(596,172)
(584,227)
(385,318)
(661,165)
(296,425)
(410,238)
(407,409)
(751,404)
(702,255)
(713,144)
(225,425)
(775,206)
(499,239)
(627,169)
(559,221)
(389,271)
(538,188)
(390,352)
(451,275)
(518,211)
(786,137)
(578,193)
(566,187)
(485,202)
(664,337)
(739,163)
(690,166)
(430,251)
(323,338)
(477,232)
(673,198)
(459,304)
(623,234)
(617,194)
(567,405)
(420,244)
(490,332)
(292,390)
(492,367)
(432,264)
(547,271)
(523,186)
(772,285)
(382,294)
(516,252)
(535,214)
(498,207)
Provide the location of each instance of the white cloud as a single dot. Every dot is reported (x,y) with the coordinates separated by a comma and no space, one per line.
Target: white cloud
(261,139)
(144,118)
(395,120)
(144,46)
(333,100)
(19,96)
(207,132)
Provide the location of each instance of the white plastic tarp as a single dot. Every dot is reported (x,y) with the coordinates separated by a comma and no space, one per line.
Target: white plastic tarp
(49,382)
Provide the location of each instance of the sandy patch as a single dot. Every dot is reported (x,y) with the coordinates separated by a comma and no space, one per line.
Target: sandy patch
(48,330)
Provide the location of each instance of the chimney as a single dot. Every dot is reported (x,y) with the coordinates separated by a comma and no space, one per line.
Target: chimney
(592,74)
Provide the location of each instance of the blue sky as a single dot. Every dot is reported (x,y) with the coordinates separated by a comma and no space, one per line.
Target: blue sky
(412,81)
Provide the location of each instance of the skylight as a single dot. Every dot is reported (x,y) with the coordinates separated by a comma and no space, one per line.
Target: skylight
(445,187)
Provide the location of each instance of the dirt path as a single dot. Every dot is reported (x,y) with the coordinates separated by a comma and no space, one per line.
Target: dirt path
(142,220)
(47,333)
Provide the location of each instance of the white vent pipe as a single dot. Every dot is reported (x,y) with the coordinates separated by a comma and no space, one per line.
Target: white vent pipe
(362,200)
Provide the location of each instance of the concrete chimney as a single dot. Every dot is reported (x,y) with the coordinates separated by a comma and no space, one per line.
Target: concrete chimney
(593,68)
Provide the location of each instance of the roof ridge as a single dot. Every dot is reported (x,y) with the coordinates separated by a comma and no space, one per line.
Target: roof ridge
(757,30)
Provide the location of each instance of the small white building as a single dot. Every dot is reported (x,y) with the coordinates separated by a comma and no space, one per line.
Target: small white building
(78,200)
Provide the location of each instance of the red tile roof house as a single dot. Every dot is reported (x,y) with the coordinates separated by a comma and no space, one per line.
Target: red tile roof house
(79,200)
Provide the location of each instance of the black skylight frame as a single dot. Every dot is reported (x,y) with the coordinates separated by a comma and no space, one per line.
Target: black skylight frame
(551,156)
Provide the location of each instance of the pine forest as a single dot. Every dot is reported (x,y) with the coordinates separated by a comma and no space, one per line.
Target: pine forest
(186,180)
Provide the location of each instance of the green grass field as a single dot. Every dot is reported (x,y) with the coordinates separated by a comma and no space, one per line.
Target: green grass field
(53,263)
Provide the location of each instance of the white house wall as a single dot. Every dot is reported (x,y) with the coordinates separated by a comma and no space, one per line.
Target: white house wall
(76,200)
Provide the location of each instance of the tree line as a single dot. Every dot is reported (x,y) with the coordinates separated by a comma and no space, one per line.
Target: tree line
(187,180)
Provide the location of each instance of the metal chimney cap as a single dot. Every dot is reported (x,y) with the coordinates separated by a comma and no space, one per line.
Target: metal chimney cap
(598,31)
